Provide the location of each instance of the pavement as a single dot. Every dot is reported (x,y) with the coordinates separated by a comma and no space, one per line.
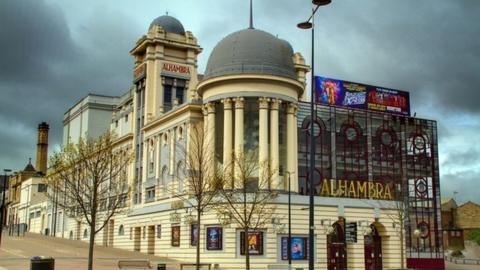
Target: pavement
(16,251)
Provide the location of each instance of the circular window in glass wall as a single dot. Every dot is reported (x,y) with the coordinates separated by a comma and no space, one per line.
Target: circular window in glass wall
(388,137)
(318,126)
(421,187)
(419,142)
(351,134)
(424,229)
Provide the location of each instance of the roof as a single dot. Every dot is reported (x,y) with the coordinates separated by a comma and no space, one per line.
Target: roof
(448,204)
(251,51)
(169,24)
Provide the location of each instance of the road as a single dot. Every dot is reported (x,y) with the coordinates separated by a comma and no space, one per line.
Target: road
(15,254)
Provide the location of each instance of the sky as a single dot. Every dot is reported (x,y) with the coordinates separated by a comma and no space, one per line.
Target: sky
(54,52)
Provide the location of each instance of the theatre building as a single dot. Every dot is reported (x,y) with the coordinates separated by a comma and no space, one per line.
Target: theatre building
(371,157)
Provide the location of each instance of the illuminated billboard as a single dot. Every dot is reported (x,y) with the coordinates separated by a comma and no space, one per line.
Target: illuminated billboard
(361,96)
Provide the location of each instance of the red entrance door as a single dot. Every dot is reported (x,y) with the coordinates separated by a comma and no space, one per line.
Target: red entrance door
(373,250)
(336,248)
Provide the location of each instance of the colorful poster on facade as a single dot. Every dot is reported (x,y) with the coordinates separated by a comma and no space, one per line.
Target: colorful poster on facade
(388,100)
(214,238)
(298,248)
(255,243)
(361,96)
(175,236)
(193,235)
(340,93)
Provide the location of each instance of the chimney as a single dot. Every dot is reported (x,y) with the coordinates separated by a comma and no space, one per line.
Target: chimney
(42,148)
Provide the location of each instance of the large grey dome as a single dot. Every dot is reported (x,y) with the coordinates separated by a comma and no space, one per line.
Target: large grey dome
(251,51)
(169,24)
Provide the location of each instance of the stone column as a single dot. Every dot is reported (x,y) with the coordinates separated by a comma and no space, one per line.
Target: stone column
(172,151)
(263,143)
(210,132)
(274,141)
(292,167)
(239,106)
(227,134)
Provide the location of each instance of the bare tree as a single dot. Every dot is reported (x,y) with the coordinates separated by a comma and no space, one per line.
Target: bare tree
(92,177)
(199,172)
(248,201)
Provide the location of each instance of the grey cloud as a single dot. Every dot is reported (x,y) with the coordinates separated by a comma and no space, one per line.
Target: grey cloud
(44,70)
(464,182)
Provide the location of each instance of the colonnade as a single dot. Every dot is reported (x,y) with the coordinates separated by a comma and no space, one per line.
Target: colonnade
(268,145)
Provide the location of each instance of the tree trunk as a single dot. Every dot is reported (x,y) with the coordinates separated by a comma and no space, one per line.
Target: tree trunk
(402,247)
(91,244)
(198,238)
(247,251)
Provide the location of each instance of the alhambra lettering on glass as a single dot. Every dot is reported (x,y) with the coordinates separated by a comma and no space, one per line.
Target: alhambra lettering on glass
(356,189)
(176,68)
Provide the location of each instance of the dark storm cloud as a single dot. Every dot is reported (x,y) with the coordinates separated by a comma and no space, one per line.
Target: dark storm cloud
(44,70)
(430,48)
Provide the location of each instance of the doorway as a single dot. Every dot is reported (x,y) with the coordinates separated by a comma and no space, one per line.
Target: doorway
(373,249)
(111,227)
(136,238)
(336,248)
(151,240)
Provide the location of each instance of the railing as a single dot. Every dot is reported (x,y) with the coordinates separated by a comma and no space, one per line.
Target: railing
(462,260)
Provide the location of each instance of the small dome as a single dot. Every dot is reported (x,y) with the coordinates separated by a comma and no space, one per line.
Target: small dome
(251,51)
(169,24)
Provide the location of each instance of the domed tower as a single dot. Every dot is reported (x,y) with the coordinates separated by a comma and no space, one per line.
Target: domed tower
(165,66)
(251,88)
(164,77)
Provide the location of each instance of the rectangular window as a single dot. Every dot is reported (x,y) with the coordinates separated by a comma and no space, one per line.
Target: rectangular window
(167,98)
(179,95)
(255,243)
(214,238)
(159,231)
(150,194)
(176,236)
(193,235)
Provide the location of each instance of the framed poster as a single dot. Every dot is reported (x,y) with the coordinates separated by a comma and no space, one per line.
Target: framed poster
(193,235)
(159,231)
(255,243)
(214,238)
(176,236)
(298,248)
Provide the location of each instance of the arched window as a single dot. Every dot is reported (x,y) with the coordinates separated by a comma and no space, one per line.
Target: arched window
(85,233)
(164,175)
(180,170)
(121,230)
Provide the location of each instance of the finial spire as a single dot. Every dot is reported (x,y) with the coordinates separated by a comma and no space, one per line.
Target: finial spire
(251,15)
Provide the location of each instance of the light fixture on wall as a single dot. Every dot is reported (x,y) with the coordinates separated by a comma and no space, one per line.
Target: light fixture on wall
(189,218)
(175,217)
(364,225)
(278,227)
(327,226)
(225,218)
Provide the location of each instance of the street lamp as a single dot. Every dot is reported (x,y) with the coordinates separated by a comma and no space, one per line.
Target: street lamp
(289,242)
(5,171)
(310,24)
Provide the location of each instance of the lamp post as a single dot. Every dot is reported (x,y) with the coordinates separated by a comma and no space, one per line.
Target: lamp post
(5,171)
(289,240)
(309,24)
